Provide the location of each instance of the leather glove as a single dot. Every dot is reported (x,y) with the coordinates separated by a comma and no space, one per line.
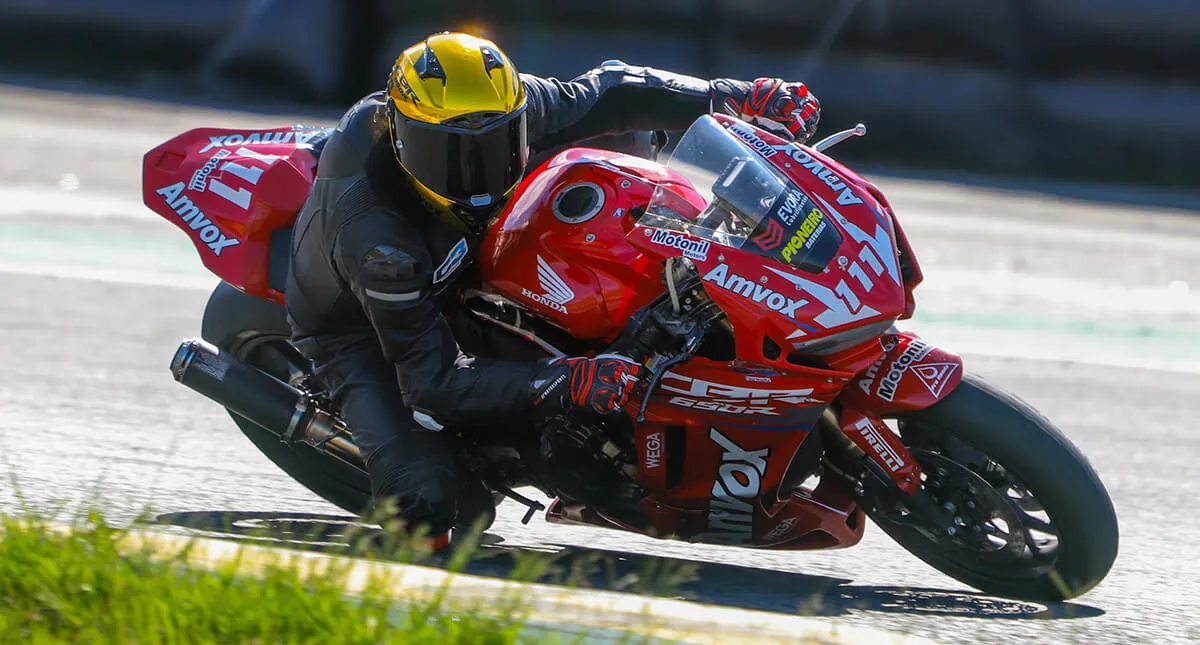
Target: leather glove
(602,384)
(786,109)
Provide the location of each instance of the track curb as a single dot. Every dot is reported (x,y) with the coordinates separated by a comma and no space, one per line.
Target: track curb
(548,607)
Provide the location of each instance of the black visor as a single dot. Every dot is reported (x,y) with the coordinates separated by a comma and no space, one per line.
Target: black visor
(473,167)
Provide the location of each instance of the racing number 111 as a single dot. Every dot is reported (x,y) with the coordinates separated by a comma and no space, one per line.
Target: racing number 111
(250,174)
(855,269)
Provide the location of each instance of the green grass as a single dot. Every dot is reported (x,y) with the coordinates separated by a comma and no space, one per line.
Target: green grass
(85,584)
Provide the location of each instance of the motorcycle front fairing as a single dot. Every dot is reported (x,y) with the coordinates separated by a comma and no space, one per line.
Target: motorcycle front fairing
(809,263)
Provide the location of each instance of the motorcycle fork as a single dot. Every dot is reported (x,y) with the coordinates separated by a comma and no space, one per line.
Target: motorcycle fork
(878,468)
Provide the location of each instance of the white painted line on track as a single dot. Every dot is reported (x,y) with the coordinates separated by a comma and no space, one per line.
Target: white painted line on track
(1093,296)
(17,200)
(1104,351)
(64,272)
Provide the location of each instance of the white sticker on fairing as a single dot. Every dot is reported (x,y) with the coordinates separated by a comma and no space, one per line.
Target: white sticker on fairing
(880,242)
(299,137)
(737,485)
(195,218)
(846,196)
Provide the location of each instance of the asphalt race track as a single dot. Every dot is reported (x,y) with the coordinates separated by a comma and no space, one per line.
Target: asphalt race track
(1085,309)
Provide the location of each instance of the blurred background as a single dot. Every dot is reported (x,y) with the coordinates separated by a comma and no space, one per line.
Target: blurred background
(1084,90)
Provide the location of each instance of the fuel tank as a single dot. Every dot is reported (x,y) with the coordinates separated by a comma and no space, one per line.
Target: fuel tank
(560,250)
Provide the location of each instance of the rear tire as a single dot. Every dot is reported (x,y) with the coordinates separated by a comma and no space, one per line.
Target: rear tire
(256,331)
(981,422)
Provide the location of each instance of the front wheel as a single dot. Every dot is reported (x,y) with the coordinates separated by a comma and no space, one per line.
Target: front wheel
(1024,515)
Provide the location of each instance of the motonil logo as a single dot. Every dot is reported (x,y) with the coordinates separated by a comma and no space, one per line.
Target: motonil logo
(694,249)
(738,483)
(200,177)
(748,135)
(191,214)
(915,351)
(754,291)
(556,294)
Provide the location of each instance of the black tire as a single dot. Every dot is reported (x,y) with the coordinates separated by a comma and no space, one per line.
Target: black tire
(1053,471)
(256,331)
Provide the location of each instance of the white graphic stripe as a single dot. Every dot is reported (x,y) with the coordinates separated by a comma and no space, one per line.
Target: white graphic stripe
(881,242)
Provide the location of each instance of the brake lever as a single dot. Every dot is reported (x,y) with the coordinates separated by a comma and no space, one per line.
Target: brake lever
(660,369)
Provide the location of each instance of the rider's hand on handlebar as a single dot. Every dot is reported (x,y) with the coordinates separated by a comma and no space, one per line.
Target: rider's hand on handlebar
(602,384)
(786,109)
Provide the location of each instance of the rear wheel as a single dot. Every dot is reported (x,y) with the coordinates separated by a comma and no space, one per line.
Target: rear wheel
(336,482)
(256,331)
(1022,512)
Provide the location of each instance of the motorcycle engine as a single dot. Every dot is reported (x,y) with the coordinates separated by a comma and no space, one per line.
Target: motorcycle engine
(585,463)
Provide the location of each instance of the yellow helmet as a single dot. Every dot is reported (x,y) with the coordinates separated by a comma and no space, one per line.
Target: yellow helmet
(456,110)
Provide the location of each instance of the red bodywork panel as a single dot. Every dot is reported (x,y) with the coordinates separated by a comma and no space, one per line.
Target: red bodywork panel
(720,439)
(229,190)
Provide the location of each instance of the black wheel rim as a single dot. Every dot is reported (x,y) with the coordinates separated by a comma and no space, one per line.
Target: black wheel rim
(990,521)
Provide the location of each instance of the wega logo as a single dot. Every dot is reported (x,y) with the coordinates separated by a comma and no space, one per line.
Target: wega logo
(694,249)
(871,435)
(653,450)
(699,394)
(737,485)
(747,134)
(915,351)
(846,197)
(209,233)
(556,294)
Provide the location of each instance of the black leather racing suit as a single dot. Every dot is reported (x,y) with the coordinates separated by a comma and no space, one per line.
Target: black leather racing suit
(372,268)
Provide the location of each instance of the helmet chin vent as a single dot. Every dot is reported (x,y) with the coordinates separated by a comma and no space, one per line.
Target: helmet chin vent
(473,121)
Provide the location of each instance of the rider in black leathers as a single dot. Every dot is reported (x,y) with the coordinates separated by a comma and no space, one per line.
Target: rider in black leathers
(390,228)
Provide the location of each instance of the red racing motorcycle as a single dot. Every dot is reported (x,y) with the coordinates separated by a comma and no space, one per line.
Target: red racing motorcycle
(759,281)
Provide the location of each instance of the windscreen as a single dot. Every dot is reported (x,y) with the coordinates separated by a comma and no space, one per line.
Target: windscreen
(749,204)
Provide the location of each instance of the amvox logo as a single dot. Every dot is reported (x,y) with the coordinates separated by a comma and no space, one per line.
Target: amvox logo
(754,291)
(299,137)
(737,485)
(846,197)
(556,294)
(209,233)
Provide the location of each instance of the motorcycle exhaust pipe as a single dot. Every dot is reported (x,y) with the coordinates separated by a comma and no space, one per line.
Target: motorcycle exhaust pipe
(261,398)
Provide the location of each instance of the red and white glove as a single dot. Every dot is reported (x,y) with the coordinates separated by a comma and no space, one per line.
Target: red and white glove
(786,109)
(602,384)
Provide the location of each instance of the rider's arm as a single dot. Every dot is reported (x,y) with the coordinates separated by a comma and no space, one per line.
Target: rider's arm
(616,98)
(390,272)
(612,99)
